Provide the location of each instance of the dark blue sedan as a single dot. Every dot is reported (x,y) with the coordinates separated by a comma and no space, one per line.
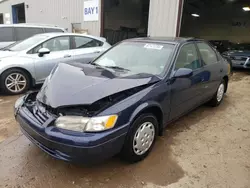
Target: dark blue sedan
(123,100)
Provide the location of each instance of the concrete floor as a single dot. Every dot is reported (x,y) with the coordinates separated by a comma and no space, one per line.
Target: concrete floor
(210,147)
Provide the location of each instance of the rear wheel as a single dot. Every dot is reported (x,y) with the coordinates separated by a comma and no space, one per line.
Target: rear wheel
(219,95)
(140,139)
(14,81)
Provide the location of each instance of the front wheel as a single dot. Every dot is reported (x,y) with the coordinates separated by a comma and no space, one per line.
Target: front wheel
(140,139)
(219,95)
(14,81)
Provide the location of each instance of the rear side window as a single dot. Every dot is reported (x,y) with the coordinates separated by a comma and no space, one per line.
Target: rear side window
(85,42)
(208,55)
(26,32)
(6,34)
(52,30)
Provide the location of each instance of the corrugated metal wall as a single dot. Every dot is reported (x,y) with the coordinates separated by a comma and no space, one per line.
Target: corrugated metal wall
(57,12)
(163,16)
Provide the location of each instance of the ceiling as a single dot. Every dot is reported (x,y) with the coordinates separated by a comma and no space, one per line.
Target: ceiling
(191,6)
(201,3)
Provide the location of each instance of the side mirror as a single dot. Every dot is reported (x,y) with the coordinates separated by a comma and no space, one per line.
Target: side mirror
(183,73)
(43,51)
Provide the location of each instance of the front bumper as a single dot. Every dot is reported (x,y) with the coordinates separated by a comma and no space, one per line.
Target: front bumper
(86,148)
(241,64)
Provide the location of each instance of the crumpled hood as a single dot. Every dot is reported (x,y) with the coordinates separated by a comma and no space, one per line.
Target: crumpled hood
(7,54)
(69,85)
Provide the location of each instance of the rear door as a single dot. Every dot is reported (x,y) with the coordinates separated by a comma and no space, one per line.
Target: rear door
(86,48)
(186,93)
(213,69)
(60,51)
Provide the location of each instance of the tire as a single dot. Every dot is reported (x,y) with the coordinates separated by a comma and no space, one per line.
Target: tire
(218,98)
(231,65)
(129,152)
(9,76)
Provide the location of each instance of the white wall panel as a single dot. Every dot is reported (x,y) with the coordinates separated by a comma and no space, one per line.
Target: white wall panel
(163,16)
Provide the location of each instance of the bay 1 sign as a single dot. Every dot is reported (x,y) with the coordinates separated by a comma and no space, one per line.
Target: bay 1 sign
(91,10)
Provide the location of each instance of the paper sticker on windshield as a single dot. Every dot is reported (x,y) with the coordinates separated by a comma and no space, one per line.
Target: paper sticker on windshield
(153,46)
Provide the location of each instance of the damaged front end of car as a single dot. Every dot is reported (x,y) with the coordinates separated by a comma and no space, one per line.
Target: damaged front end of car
(80,106)
(47,115)
(71,133)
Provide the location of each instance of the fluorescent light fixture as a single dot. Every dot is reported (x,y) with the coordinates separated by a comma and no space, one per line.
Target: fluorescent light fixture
(195,15)
(246,8)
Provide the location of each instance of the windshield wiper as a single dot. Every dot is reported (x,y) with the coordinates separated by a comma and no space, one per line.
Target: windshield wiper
(92,63)
(97,65)
(117,68)
(6,49)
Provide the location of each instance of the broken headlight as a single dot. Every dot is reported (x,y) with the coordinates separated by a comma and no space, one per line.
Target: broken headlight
(84,124)
(19,102)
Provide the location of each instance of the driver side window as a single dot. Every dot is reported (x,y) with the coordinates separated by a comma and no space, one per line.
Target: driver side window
(55,44)
(188,58)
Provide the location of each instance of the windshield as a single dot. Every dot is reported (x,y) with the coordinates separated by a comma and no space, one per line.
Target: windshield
(27,43)
(138,57)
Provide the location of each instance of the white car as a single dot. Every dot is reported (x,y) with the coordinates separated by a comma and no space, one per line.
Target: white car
(29,62)
(11,33)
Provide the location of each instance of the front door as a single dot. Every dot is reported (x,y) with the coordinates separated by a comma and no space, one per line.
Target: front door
(186,92)
(59,52)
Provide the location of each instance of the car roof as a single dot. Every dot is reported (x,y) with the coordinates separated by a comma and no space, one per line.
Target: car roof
(49,35)
(30,25)
(173,40)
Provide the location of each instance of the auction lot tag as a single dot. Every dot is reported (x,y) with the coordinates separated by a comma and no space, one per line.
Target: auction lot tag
(153,46)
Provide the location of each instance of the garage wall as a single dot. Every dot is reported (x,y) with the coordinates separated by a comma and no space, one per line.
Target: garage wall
(163,16)
(229,22)
(56,12)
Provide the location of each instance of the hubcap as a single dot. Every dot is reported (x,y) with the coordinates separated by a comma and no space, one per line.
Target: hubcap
(220,92)
(15,82)
(143,138)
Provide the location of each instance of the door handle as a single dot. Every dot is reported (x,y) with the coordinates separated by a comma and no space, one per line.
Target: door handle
(96,52)
(65,56)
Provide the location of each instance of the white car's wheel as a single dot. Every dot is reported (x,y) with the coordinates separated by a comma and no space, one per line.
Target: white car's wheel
(14,81)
